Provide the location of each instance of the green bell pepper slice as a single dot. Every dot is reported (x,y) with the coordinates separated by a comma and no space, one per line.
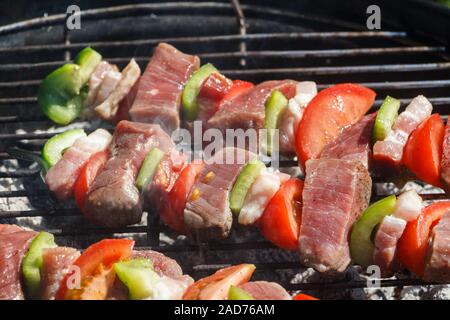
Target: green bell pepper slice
(138,276)
(243,183)
(191,90)
(59,93)
(55,146)
(386,116)
(236,293)
(361,243)
(32,263)
(149,167)
(275,106)
(87,59)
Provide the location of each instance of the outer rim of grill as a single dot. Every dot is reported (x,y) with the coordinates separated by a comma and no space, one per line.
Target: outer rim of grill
(138,8)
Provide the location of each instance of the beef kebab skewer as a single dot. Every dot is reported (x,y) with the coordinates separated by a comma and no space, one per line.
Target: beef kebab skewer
(112,270)
(173,91)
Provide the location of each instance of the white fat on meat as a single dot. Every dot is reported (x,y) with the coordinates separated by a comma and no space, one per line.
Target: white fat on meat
(166,288)
(392,146)
(109,83)
(389,232)
(107,109)
(94,84)
(261,191)
(62,176)
(408,206)
(305,91)
(95,81)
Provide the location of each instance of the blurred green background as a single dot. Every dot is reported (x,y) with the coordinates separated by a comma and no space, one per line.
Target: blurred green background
(444,2)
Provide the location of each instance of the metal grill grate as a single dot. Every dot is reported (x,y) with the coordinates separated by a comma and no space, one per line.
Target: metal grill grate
(246,41)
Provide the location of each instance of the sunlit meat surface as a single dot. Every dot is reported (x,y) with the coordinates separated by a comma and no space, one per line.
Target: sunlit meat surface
(438,259)
(335,193)
(114,200)
(248,109)
(158,98)
(14,243)
(207,214)
(353,143)
(55,265)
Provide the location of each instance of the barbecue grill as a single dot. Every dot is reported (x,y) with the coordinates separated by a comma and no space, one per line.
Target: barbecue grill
(324,41)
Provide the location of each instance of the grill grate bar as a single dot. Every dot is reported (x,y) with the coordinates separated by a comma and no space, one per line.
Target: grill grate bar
(27,118)
(425,196)
(329,53)
(356,284)
(259,266)
(99,231)
(23,83)
(9,119)
(435,101)
(216,246)
(393,85)
(242,29)
(124,10)
(27,136)
(21,173)
(23,193)
(18,100)
(208,39)
(344,70)
(261,10)
(400,85)
(305,71)
(41,213)
(255,54)
(6,156)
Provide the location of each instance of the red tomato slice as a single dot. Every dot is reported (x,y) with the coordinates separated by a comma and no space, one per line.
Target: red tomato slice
(238,88)
(280,222)
(86,178)
(215,87)
(172,212)
(302,296)
(216,286)
(211,93)
(95,261)
(423,151)
(412,246)
(327,114)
